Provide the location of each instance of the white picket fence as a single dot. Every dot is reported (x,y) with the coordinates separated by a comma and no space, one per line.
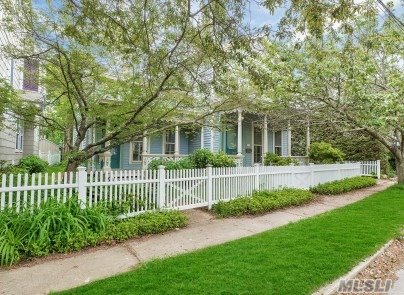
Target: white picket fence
(371,168)
(51,158)
(147,190)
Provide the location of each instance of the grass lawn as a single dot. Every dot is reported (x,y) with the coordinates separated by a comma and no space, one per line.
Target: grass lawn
(294,259)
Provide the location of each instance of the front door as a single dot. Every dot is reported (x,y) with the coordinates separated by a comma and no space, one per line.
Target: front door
(115,157)
(257,139)
(231,140)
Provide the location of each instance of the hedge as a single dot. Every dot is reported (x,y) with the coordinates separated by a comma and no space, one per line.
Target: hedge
(262,201)
(344,185)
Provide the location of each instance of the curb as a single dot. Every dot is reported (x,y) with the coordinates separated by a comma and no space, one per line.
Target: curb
(333,287)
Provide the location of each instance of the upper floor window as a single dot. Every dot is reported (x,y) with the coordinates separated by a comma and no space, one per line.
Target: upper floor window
(278,143)
(31,75)
(169,142)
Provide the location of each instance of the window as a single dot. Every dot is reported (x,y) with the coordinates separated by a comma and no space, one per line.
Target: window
(137,150)
(169,142)
(257,144)
(278,143)
(31,75)
(19,136)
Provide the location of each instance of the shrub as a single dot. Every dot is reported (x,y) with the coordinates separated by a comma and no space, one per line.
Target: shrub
(64,227)
(147,223)
(222,160)
(201,158)
(262,201)
(272,159)
(171,164)
(344,185)
(324,153)
(33,164)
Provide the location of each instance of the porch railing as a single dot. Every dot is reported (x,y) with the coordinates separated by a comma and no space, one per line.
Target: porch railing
(147,158)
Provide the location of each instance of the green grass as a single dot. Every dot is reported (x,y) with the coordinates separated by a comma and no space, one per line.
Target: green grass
(294,259)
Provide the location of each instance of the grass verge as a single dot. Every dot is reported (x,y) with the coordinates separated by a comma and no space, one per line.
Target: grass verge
(294,259)
(344,185)
(263,201)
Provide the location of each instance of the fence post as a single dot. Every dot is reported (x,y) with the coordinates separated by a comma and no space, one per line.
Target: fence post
(256,177)
(292,175)
(311,165)
(81,184)
(378,169)
(209,186)
(162,187)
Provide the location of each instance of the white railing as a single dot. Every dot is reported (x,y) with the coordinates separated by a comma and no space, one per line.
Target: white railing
(51,158)
(147,158)
(145,190)
(370,168)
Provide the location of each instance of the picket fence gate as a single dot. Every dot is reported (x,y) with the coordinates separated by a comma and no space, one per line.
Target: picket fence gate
(145,190)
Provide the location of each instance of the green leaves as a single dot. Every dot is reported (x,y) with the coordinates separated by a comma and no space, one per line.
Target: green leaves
(344,185)
(262,201)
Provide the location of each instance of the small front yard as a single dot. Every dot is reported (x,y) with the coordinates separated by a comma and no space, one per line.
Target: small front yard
(294,259)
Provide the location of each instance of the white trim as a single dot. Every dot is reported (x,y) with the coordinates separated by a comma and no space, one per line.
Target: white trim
(163,149)
(239,133)
(202,137)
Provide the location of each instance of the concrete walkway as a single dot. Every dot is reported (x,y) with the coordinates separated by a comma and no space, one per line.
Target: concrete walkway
(52,274)
(398,287)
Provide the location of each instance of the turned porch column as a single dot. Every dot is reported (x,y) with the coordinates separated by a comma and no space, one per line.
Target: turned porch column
(289,139)
(265,143)
(239,133)
(177,141)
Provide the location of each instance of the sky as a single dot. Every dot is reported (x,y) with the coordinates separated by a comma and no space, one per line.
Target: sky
(258,15)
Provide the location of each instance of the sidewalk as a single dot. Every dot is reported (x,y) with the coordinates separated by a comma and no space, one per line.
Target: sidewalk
(204,230)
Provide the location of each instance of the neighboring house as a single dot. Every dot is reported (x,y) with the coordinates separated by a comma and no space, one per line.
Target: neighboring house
(17,139)
(246,137)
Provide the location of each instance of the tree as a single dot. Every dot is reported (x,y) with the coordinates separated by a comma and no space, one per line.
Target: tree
(128,67)
(352,73)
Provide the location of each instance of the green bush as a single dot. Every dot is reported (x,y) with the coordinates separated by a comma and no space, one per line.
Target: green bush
(324,153)
(64,227)
(33,164)
(262,201)
(199,159)
(171,164)
(344,185)
(147,223)
(272,159)
(220,159)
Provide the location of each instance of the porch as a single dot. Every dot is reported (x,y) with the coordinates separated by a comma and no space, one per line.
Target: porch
(245,136)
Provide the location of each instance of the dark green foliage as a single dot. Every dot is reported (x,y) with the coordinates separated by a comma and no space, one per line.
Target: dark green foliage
(33,164)
(199,159)
(147,223)
(324,153)
(344,185)
(272,159)
(262,201)
(294,259)
(53,227)
(220,159)
(64,227)
(171,164)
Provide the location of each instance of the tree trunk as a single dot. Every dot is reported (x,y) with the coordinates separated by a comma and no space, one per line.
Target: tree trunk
(72,165)
(400,170)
